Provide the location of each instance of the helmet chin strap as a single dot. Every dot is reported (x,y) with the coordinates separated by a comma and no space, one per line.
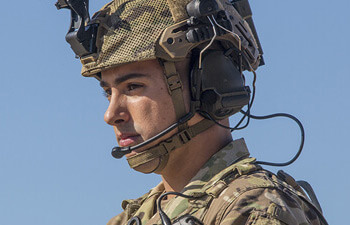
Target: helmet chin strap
(185,133)
(162,150)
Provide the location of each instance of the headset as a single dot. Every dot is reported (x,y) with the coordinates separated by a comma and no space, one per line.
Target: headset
(217,82)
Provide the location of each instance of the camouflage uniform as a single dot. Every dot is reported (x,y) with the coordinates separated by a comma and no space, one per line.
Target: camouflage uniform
(229,189)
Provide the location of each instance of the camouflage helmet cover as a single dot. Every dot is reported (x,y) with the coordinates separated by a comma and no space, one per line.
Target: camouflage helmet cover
(129,30)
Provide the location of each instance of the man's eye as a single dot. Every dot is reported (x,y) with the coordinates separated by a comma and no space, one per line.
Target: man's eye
(134,86)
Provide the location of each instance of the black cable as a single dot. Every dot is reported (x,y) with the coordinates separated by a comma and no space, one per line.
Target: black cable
(226,127)
(245,115)
(301,142)
(135,221)
(163,216)
(242,119)
(250,105)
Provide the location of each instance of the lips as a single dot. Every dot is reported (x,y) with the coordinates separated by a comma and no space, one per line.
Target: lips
(128,139)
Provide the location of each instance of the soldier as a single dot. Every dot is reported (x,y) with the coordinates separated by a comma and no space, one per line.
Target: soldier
(172,72)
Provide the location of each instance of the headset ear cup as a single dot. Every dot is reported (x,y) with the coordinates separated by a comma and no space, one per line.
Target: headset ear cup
(195,80)
(219,85)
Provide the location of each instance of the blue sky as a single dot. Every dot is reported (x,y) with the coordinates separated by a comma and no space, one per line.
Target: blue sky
(55,162)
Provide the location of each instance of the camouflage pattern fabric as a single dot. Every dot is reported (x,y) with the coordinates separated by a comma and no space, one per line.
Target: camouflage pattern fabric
(129,30)
(229,189)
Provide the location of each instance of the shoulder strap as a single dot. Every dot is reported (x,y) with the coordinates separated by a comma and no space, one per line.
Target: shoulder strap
(298,185)
(310,192)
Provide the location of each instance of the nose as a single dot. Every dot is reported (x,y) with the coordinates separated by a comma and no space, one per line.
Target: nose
(116,112)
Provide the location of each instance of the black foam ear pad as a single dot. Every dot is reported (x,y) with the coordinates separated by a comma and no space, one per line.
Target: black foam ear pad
(219,85)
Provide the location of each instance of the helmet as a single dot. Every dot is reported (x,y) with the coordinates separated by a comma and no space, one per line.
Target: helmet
(215,32)
(135,30)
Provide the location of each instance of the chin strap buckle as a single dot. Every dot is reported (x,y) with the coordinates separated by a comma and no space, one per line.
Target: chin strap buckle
(177,141)
(174,83)
(185,136)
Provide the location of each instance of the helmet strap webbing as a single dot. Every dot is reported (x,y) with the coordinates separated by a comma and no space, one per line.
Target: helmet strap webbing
(185,133)
(175,89)
(163,149)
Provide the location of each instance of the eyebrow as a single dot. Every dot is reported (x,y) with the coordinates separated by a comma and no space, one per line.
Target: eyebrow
(122,79)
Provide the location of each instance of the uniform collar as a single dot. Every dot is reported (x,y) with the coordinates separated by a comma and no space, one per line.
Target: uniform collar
(200,186)
(231,153)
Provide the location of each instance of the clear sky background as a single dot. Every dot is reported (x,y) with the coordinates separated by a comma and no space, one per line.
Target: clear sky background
(55,162)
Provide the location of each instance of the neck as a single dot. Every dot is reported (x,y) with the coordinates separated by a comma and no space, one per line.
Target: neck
(185,162)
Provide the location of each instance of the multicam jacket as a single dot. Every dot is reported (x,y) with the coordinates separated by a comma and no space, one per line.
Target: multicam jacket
(229,189)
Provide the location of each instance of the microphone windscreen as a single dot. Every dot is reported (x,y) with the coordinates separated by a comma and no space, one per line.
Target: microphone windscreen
(118,152)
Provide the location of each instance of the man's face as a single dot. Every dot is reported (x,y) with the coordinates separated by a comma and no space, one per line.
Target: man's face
(139,103)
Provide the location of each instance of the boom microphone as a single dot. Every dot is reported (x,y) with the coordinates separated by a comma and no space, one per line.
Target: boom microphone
(119,152)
